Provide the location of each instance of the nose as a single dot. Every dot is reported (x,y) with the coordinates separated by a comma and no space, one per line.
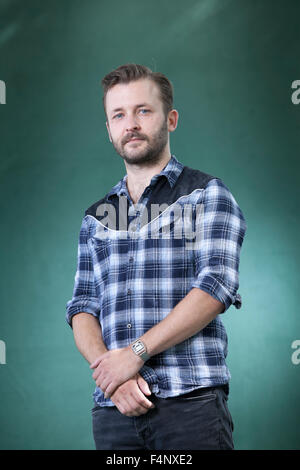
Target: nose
(132,123)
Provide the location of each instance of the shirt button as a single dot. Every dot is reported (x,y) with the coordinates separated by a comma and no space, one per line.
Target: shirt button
(131,258)
(128,325)
(128,291)
(133,228)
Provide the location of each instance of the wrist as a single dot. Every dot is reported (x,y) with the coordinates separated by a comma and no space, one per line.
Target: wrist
(137,359)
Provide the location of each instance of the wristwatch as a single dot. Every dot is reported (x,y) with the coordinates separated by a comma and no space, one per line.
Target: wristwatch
(139,348)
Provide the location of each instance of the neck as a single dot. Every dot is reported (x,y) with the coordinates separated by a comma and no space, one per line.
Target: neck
(139,177)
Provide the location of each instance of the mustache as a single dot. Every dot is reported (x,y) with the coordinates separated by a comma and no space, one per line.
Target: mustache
(133,136)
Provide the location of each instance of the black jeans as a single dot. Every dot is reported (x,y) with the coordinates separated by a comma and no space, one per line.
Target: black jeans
(197,420)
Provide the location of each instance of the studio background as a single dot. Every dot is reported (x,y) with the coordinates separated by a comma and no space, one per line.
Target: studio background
(232,64)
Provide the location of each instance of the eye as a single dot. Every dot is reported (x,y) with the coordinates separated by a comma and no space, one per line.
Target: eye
(116,115)
(145,110)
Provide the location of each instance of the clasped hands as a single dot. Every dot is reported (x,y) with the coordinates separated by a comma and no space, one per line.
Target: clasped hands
(115,367)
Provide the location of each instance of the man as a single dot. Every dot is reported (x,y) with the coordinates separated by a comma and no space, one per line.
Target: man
(158,262)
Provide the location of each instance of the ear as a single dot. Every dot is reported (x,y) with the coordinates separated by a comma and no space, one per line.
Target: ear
(107,127)
(172,120)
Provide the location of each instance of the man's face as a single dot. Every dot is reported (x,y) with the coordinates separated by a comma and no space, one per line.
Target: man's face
(136,122)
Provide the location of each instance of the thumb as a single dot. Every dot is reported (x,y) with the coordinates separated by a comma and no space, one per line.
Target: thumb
(143,385)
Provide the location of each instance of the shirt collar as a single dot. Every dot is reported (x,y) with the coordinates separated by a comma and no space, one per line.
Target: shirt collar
(171,171)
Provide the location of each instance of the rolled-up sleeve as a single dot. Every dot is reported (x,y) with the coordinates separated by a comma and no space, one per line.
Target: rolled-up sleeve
(217,256)
(84,297)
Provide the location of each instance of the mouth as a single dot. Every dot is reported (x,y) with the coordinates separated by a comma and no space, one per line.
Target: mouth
(135,139)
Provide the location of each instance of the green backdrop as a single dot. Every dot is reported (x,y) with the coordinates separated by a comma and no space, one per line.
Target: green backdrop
(232,64)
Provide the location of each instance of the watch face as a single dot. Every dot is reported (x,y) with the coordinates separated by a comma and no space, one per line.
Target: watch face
(138,347)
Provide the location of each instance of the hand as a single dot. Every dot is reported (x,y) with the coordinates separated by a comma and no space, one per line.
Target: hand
(130,398)
(115,367)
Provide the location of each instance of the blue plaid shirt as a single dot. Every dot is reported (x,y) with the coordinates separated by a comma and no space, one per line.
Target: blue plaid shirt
(134,267)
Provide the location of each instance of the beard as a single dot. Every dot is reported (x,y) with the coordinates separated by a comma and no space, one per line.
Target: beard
(150,153)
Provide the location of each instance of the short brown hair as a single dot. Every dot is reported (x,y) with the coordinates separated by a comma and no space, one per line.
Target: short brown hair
(131,72)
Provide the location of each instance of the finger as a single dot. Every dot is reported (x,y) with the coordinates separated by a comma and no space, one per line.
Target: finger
(134,407)
(103,383)
(141,399)
(97,373)
(143,385)
(100,383)
(96,362)
(109,390)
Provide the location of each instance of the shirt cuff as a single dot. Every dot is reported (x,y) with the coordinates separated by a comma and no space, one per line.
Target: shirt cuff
(218,291)
(81,306)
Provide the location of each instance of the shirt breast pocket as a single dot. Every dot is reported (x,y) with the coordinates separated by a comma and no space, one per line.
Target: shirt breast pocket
(101,253)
